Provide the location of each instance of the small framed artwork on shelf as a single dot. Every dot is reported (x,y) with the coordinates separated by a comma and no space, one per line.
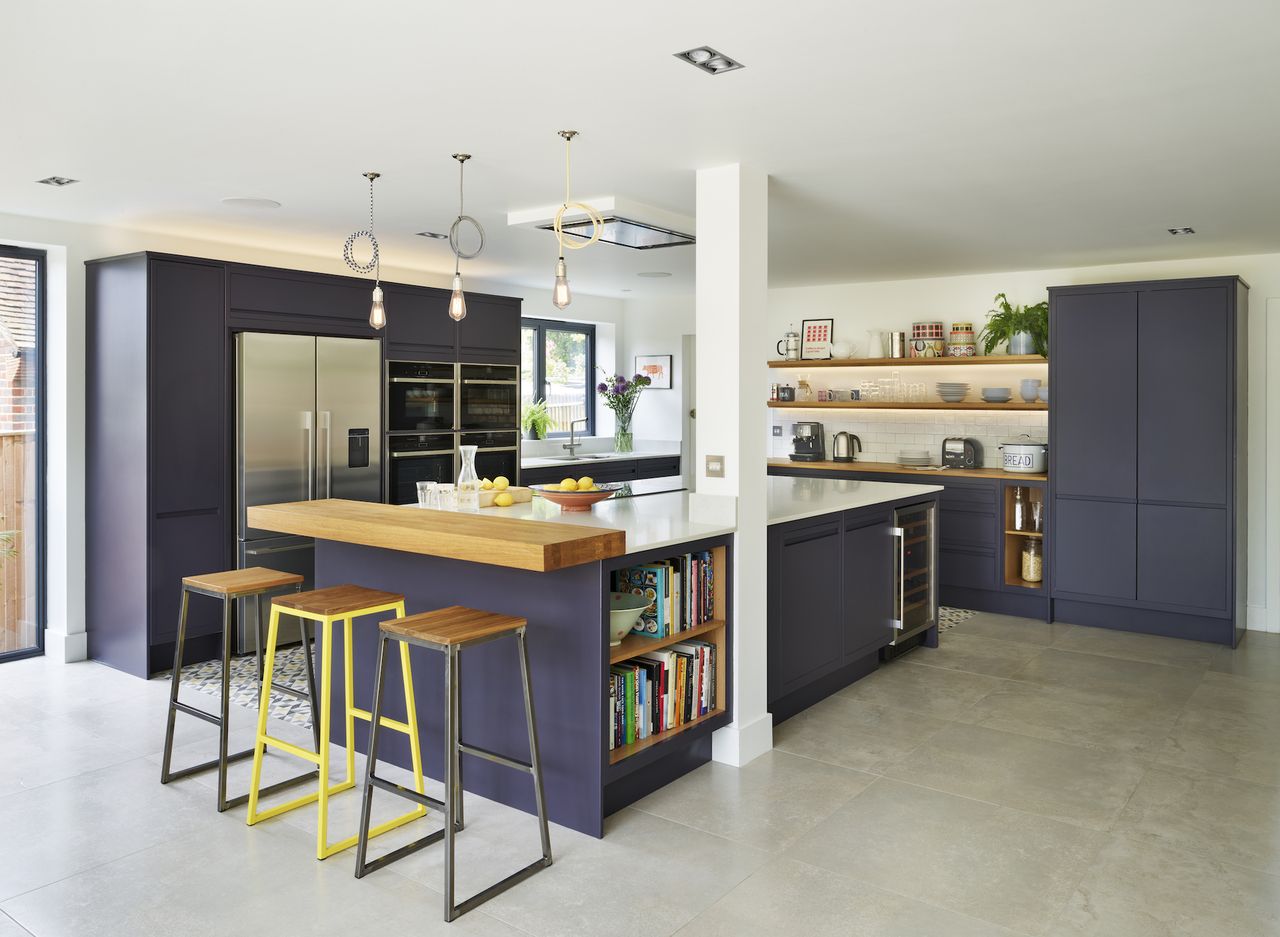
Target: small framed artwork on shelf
(656,368)
(815,339)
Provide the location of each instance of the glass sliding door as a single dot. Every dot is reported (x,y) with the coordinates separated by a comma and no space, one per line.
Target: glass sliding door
(21,452)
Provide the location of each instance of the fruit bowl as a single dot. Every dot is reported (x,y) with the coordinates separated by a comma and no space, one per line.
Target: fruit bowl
(624,612)
(575,500)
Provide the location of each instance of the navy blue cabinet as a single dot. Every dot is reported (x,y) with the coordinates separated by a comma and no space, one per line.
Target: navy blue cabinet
(490,334)
(268,299)
(418,325)
(603,470)
(867,573)
(1147,443)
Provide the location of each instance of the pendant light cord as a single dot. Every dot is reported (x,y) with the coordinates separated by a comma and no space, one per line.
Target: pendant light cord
(348,247)
(458,253)
(597,222)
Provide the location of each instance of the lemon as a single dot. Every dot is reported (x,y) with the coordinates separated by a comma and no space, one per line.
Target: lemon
(503,500)
(501,483)
(486,485)
(568,484)
(551,487)
(586,483)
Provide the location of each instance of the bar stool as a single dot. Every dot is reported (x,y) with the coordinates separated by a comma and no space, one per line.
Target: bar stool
(228,587)
(327,607)
(449,630)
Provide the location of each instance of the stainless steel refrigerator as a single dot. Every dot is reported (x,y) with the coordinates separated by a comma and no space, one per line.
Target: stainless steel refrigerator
(308,416)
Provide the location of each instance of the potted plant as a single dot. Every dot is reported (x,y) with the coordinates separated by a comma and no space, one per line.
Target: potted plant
(535,420)
(1025,328)
(621,394)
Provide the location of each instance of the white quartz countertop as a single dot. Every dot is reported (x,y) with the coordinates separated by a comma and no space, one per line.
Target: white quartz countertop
(586,458)
(793,499)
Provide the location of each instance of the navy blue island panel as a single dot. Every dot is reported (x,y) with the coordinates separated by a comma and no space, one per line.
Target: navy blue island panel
(567,611)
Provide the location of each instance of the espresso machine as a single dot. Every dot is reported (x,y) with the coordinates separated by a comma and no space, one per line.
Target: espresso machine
(807,443)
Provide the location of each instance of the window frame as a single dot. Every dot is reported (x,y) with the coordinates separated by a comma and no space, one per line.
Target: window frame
(41,260)
(540,327)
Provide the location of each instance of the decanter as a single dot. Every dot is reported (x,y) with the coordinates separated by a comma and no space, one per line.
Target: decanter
(468,481)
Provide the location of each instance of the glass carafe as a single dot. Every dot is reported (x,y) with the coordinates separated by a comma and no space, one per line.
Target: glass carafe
(468,481)
(1020,508)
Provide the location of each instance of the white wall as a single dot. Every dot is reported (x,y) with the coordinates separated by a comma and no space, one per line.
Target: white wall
(69,246)
(895,304)
(655,327)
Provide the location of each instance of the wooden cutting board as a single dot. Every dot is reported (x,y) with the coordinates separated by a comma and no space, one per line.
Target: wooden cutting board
(518,495)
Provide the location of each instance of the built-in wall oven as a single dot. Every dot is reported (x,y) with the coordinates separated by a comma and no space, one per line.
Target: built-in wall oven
(488,397)
(496,454)
(418,457)
(421,397)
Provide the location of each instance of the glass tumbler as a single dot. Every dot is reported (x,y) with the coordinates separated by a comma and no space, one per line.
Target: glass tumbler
(427,497)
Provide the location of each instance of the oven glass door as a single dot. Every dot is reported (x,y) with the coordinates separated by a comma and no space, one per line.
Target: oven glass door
(490,398)
(410,466)
(420,397)
(496,454)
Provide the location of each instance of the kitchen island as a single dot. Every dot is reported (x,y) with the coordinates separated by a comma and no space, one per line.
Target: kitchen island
(556,569)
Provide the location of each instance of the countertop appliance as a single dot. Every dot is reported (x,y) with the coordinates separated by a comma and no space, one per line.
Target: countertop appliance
(845,447)
(308,411)
(807,443)
(961,452)
(1024,454)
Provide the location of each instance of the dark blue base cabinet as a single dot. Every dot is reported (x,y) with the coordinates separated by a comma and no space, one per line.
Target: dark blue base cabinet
(831,603)
(1147,456)
(569,654)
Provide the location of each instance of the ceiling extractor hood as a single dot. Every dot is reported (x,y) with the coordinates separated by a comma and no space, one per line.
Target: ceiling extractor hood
(626,224)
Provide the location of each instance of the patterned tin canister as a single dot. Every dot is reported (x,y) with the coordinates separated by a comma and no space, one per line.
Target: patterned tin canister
(961,343)
(926,330)
(927,348)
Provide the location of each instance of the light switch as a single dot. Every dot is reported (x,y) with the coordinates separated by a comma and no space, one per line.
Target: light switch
(715,466)
(777,430)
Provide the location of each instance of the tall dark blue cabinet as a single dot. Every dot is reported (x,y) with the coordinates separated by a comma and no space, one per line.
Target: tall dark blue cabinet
(1147,456)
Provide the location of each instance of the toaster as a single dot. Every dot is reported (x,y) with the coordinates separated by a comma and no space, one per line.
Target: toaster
(961,452)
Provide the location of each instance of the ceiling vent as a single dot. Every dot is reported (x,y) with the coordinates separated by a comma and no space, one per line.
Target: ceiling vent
(625,233)
(709,60)
(627,223)
(57,181)
(1176,231)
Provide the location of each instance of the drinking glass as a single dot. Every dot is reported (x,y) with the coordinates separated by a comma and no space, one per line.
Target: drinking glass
(1037,516)
(427,497)
(448,497)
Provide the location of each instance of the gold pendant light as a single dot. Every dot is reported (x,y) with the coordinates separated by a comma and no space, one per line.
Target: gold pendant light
(377,311)
(560,293)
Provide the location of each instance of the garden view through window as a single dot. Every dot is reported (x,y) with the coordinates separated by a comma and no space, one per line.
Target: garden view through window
(557,364)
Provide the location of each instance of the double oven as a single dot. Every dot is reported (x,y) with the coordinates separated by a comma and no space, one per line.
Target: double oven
(435,408)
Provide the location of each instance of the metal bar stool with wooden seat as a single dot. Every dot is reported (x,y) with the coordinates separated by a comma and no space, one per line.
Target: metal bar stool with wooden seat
(327,607)
(449,630)
(229,586)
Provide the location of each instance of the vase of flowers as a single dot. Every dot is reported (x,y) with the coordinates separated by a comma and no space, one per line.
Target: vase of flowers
(621,394)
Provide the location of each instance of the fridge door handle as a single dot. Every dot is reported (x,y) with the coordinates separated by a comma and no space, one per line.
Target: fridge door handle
(900,572)
(266,550)
(309,444)
(326,425)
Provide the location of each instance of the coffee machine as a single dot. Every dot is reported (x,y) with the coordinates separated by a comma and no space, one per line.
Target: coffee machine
(807,443)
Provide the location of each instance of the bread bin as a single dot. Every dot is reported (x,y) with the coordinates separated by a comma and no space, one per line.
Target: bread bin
(1025,455)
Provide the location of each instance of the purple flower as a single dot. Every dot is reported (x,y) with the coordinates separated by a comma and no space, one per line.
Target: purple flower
(639,378)
(602,387)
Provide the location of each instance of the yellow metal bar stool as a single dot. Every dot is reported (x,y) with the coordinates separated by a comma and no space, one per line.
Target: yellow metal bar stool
(449,630)
(327,607)
(228,586)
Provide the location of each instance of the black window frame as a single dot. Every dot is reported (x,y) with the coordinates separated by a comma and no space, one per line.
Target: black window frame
(540,327)
(41,259)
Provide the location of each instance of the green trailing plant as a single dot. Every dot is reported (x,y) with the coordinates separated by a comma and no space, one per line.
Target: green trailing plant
(1006,320)
(534,418)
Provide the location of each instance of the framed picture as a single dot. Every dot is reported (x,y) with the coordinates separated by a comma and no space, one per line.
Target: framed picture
(815,338)
(657,368)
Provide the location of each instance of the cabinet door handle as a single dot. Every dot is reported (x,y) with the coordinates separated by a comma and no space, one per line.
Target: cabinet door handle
(421,380)
(266,550)
(474,380)
(900,574)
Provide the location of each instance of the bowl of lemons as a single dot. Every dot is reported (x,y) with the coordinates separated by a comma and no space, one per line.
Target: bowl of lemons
(575,494)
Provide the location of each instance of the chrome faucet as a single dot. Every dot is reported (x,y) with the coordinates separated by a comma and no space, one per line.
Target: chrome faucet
(571,445)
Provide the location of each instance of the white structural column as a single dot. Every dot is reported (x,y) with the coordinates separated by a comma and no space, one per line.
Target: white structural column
(732,279)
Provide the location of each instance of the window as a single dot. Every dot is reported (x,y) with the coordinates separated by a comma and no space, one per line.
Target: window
(21,452)
(557,364)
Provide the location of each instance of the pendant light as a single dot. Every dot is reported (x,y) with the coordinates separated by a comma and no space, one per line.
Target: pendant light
(560,294)
(377,311)
(457,301)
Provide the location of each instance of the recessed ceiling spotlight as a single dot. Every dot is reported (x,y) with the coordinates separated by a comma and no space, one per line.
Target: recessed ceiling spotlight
(709,60)
(654,274)
(56,181)
(249,201)
(1176,231)
(433,234)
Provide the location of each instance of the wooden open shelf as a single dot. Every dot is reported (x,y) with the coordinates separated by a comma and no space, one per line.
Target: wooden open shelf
(626,751)
(1015,539)
(909,362)
(1024,533)
(634,645)
(905,405)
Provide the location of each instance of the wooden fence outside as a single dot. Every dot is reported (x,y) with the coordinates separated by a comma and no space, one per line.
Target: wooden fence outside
(17,518)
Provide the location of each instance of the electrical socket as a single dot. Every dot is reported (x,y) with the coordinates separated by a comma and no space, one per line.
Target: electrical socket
(777,430)
(715,466)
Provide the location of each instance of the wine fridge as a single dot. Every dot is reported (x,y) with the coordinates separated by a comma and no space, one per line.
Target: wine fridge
(915,570)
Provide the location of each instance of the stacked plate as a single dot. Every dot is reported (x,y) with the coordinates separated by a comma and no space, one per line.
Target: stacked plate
(996,394)
(952,391)
(914,457)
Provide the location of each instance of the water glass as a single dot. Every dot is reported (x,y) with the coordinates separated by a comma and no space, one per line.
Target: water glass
(447,496)
(427,497)
(1037,516)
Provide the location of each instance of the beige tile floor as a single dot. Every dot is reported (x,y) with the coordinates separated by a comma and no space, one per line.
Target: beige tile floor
(1022,779)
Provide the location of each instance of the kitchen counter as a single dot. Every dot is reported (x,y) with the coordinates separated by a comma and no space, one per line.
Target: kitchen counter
(793,499)
(893,468)
(586,458)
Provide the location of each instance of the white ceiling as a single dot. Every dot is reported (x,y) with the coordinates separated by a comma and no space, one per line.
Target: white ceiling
(903,139)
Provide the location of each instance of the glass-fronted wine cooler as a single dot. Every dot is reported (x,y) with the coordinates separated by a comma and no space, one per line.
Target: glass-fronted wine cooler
(915,570)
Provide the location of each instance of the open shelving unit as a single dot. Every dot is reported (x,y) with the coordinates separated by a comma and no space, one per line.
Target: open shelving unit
(905,405)
(805,363)
(1015,540)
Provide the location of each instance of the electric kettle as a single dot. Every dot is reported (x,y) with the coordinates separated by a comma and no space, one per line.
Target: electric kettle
(845,447)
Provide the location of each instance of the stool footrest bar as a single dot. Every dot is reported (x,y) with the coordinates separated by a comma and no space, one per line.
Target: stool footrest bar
(270,789)
(304,753)
(391,787)
(198,713)
(515,878)
(204,766)
(495,757)
(290,691)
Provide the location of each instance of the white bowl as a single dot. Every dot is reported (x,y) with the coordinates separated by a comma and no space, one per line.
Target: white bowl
(1044,394)
(624,612)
